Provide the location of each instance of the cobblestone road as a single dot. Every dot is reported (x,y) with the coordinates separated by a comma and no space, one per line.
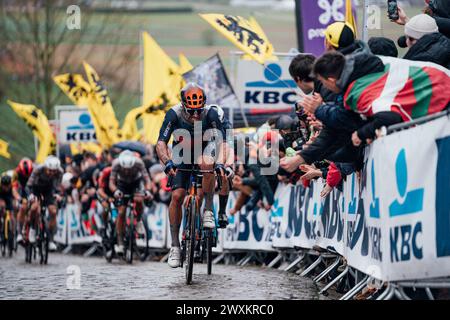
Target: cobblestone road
(143,280)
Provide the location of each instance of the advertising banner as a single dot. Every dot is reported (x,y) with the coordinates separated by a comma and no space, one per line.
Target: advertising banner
(265,90)
(314,17)
(75,125)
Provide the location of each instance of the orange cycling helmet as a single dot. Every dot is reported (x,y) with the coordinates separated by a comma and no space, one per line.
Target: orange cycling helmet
(193,98)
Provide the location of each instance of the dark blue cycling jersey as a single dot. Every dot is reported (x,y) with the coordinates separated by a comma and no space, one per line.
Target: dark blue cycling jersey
(175,119)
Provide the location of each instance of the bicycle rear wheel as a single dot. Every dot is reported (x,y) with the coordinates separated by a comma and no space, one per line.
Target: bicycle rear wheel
(209,244)
(108,242)
(142,251)
(130,238)
(43,245)
(46,243)
(2,238)
(28,252)
(10,237)
(190,240)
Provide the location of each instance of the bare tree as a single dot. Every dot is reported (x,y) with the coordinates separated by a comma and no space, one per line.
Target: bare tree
(36,44)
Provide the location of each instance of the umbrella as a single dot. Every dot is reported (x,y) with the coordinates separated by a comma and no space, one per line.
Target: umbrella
(134,146)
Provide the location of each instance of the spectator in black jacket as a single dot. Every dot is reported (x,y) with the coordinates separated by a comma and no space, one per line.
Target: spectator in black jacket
(425,42)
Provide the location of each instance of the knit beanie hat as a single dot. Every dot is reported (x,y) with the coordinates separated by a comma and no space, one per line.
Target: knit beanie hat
(420,25)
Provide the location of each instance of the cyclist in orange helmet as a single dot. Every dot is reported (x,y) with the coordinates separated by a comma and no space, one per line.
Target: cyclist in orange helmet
(182,120)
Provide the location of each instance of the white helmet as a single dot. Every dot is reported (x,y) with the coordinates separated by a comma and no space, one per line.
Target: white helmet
(66,180)
(127,159)
(52,163)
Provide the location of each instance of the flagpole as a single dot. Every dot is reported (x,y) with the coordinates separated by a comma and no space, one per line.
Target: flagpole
(365,35)
(233,72)
(234,58)
(141,74)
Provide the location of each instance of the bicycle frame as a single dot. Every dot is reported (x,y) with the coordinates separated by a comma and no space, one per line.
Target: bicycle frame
(7,237)
(193,231)
(130,234)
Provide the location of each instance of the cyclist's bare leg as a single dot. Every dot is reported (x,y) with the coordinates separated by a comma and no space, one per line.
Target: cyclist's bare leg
(223,200)
(139,204)
(34,213)
(14,215)
(208,181)
(120,224)
(22,215)
(175,212)
(105,205)
(52,210)
(2,208)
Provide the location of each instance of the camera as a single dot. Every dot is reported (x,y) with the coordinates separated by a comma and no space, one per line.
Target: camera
(393,10)
(300,112)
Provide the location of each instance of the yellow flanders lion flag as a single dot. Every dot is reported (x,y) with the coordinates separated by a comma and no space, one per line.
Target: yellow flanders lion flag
(38,123)
(185,65)
(103,107)
(157,111)
(241,33)
(129,128)
(162,84)
(80,93)
(75,87)
(4,149)
(161,73)
(269,56)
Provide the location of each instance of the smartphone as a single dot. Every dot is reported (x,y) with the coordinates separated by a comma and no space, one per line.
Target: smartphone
(393,10)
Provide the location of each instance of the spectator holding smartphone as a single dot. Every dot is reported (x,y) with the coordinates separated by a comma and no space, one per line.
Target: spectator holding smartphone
(439,10)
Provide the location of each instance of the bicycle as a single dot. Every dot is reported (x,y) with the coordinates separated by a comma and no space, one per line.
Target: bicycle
(43,235)
(42,238)
(131,235)
(193,230)
(109,238)
(7,234)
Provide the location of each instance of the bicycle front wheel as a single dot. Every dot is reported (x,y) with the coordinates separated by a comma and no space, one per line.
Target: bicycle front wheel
(190,240)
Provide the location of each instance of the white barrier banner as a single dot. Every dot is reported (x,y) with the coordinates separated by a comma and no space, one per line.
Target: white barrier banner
(331,222)
(82,227)
(157,217)
(308,204)
(413,185)
(248,230)
(61,225)
(397,213)
(392,221)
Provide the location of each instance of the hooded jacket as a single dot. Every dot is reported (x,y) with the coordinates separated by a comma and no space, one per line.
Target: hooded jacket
(441,8)
(434,47)
(356,47)
(441,13)
(358,66)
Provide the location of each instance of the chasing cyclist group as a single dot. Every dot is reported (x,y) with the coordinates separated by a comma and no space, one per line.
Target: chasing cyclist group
(29,189)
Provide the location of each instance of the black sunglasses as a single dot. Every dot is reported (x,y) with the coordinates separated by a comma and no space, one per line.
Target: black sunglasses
(193,112)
